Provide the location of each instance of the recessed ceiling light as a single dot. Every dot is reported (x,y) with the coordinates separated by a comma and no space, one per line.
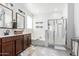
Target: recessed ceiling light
(56,9)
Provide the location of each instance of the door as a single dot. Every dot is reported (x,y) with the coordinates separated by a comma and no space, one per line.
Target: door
(57,32)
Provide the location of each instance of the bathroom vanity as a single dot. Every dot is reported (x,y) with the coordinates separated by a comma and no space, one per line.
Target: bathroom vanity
(12,45)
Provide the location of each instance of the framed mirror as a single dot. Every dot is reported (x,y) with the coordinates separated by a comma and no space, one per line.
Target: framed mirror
(20,19)
(6,17)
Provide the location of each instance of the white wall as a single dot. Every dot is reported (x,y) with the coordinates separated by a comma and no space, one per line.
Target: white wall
(76,19)
(39,33)
(73,23)
(70,24)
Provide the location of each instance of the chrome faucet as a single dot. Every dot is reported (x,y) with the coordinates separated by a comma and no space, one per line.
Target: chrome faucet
(7,32)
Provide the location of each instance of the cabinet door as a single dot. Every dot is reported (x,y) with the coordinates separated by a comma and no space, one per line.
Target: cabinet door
(18,45)
(0,47)
(25,42)
(7,48)
(29,40)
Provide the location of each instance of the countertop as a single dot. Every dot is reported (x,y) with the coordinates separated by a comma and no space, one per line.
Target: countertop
(1,36)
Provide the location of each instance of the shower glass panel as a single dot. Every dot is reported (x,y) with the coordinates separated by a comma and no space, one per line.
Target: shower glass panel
(60,32)
(57,31)
(51,32)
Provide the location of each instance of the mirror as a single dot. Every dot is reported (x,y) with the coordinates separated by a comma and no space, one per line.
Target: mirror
(20,21)
(6,17)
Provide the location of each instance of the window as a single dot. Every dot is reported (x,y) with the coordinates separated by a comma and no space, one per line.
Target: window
(29,22)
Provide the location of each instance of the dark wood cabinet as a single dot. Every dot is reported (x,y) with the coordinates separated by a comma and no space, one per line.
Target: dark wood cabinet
(8,47)
(13,45)
(0,47)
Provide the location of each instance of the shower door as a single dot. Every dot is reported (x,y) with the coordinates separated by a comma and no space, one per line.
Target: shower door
(57,31)
(60,32)
(51,32)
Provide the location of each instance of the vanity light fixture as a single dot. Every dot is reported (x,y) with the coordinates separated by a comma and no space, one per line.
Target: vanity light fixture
(21,11)
(9,4)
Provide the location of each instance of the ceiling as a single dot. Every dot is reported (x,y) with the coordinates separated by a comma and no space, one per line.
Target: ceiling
(45,8)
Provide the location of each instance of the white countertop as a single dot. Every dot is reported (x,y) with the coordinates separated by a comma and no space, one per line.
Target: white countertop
(1,36)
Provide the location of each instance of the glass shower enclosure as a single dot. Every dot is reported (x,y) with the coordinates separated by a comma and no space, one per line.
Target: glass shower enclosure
(57,32)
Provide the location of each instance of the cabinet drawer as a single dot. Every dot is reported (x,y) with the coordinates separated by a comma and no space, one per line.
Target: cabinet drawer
(7,39)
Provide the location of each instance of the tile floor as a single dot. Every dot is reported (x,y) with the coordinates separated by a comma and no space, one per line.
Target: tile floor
(44,51)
